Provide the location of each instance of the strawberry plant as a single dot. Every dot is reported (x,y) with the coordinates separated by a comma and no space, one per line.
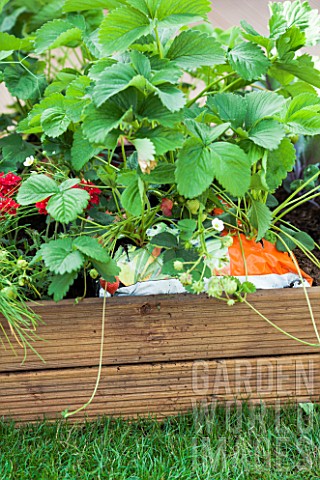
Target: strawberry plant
(131,120)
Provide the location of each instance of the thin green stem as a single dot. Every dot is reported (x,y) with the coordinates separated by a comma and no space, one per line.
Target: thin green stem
(49,66)
(230,85)
(77,57)
(305,195)
(209,87)
(259,87)
(243,256)
(300,245)
(304,288)
(123,151)
(114,194)
(295,193)
(74,412)
(297,204)
(279,328)
(106,163)
(159,44)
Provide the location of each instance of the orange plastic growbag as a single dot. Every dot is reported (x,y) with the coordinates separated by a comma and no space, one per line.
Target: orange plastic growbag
(262,258)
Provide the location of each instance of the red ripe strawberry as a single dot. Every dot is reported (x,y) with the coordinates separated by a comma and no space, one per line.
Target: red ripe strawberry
(110,287)
(166,207)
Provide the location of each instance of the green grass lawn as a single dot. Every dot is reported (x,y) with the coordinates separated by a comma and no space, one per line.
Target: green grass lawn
(221,444)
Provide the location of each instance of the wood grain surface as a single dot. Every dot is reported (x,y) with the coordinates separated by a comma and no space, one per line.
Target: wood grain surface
(159,389)
(163,355)
(168,328)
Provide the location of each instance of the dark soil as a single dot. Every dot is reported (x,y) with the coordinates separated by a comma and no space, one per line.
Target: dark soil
(306,218)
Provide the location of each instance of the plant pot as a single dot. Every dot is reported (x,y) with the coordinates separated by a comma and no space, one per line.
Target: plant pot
(163,355)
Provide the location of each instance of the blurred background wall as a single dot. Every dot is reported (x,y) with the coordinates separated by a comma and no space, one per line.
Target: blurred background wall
(224,14)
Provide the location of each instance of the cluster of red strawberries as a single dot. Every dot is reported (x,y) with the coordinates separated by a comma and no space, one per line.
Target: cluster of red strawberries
(9,184)
(86,185)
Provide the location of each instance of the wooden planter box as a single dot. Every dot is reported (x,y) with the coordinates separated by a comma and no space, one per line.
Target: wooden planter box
(164,354)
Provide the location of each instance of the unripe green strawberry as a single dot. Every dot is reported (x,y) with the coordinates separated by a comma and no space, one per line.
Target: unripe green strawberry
(22,264)
(229,285)
(3,255)
(294,139)
(21,281)
(177,265)
(94,273)
(193,206)
(9,292)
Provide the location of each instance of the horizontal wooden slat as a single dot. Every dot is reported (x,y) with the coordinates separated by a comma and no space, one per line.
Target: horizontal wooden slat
(159,389)
(168,328)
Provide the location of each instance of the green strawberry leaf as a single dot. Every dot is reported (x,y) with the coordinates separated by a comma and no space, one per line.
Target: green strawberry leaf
(122,27)
(153,110)
(287,242)
(164,139)
(305,240)
(107,270)
(303,114)
(65,206)
(82,150)
(165,239)
(206,133)
(248,60)
(303,101)
(303,68)
(253,36)
(90,247)
(260,218)
(36,188)
(55,34)
(80,5)
(192,49)
(59,256)
(263,105)
(305,122)
(194,168)
(174,13)
(267,134)
(131,198)
(290,41)
(111,81)
(100,121)
(14,152)
(10,42)
(23,83)
(295,14)
(232,168)
(162,174)
(60,285)
(171,97)
(229,107)
(55,121)
(279,163)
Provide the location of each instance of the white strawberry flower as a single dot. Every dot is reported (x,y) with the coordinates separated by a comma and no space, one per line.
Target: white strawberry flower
(217,224)
(29,161)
